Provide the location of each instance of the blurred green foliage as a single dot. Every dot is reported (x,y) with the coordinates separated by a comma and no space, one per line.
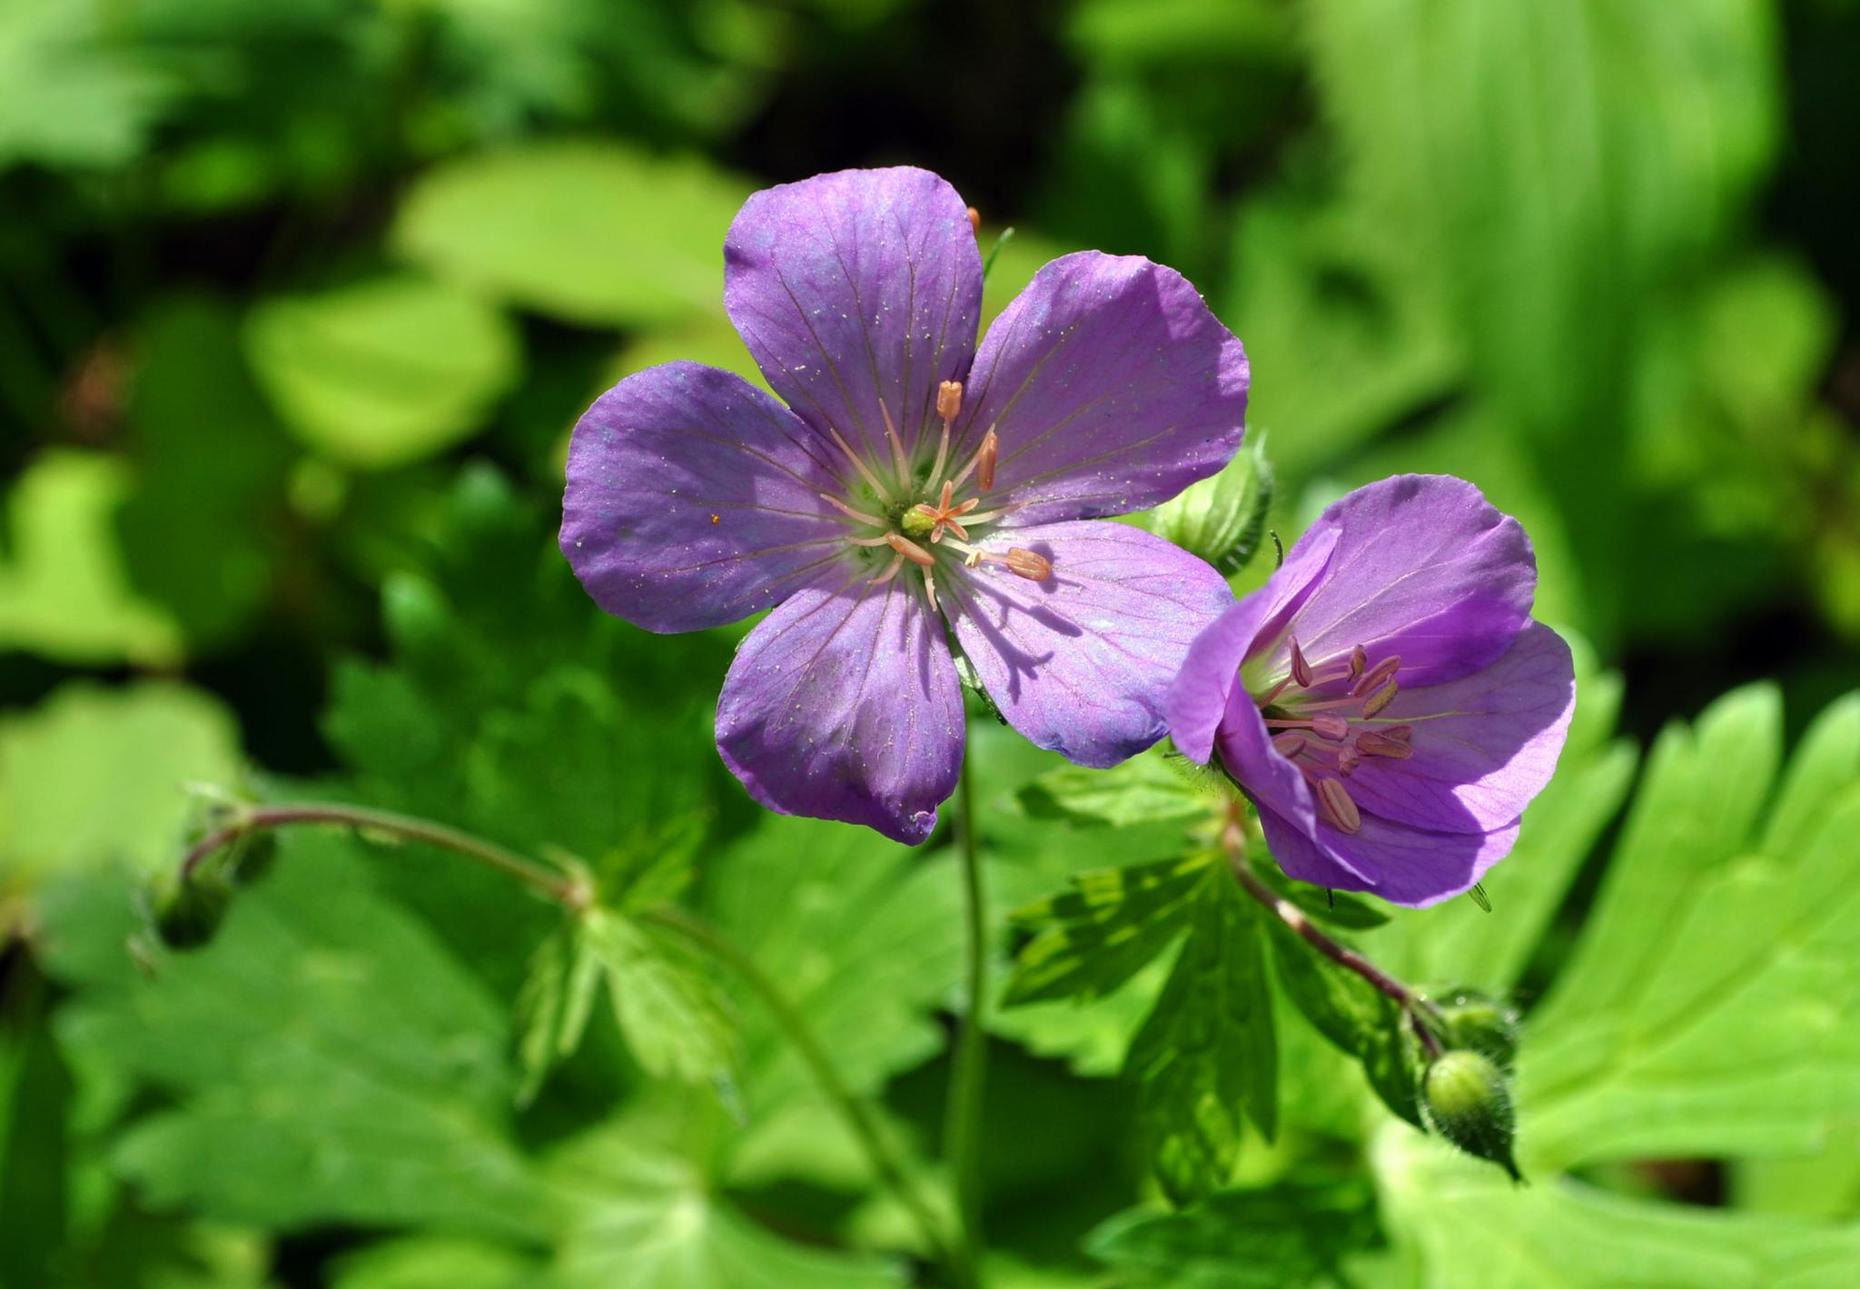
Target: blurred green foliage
(298,301)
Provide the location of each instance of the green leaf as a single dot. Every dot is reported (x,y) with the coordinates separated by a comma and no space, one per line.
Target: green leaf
(1292,1234)
(1222,518)
(554,1005)
(1458,1220)
(63,589)
(1337,908)
(642,1218)
(1207,1052)
(1147,788)
(863,936)
(587,232)
(324,1059)
(74,96)
(98,777)
(675,1018)
(211,460)
(1722,1027)
(383,371)
(1357,1018)
(1095,936)
(422,1261)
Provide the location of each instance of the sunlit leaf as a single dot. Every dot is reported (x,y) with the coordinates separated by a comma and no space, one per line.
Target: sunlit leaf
(383,371)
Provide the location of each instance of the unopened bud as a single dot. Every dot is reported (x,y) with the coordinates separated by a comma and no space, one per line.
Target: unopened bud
(1467,1101)
(1031,565)
(188,910)
(1478,1023)
(949,399)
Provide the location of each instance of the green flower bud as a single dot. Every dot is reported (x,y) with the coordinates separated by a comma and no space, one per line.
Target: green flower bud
(187,912)
(1468,1101)
(1479,1023)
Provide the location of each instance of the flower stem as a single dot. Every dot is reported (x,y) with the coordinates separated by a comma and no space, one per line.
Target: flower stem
(1421,1013)
(546,882)
(964,1116)
(574,895)
(856,1112)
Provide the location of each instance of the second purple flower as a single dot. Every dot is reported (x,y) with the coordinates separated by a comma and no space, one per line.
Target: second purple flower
(913,485)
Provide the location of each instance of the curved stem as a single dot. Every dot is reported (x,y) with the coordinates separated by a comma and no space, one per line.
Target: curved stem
(1420,1012)
(575,895)
(545,881)
(854,1110)
(964,1117)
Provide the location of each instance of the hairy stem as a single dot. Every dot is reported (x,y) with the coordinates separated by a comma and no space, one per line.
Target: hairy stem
(575,895)
(545,881)
(964,1117)
(1420,1012)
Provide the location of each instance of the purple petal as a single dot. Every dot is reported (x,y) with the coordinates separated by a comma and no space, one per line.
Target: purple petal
(853,290)
(1080,661)
(1197,700)
(1294,850)
(844,704)
(1411,865)
(1111,387)
(1483,745)
(693,500)
(1424,567)
(1270,781)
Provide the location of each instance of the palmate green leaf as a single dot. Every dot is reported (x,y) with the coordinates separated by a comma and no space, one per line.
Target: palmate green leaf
(1707,1011)
(584,231)
(1468,1228)
(1145,789)
(554,1005)
(64,592)
(1206,1055)
(383,371)
(99,777)
(862,934)
(674,1016)
(423,1261)
(1091,939)
(640,1218)
(326,1059)
(1295,1233)
(75,96)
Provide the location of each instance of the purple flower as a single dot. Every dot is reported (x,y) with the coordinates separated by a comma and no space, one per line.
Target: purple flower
(913,486)
(1386,700)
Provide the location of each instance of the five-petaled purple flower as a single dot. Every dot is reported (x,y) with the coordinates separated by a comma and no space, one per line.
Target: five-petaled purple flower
(1386,700)
(912,486)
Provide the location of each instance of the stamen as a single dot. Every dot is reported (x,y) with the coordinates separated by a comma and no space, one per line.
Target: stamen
(930,588)
(1334,728)
(870,541)
(942,447)
(865,471)
(1347,761)
(1370,743)
(1337,807)
(910,550)
(1271,696)
(1301,670)
(1380,699)
(1031,565)
(1289,744)
(989,450)
(1373,678)
(1359,662)
(850,513)
(975,221)
(948,402)
(897,444)
(891,571)
(1400,733)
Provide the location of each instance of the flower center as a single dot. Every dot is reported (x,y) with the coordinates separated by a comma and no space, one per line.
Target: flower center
(1326,718)
(916,518)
